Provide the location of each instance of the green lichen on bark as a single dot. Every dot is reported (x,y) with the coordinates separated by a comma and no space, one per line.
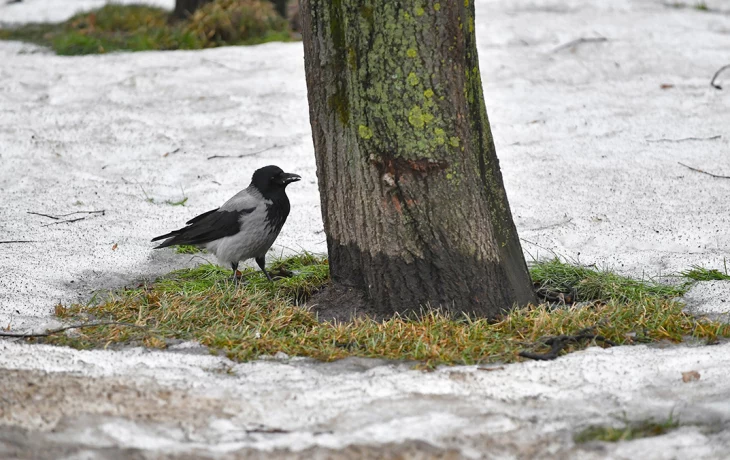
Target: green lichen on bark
(386,78)
(365,132)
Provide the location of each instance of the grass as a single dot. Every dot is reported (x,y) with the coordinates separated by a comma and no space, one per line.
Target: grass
(697,273)
(187,249)
(116,27)
(700,6)
(177,203)
(627,432)
(261,318)
(589,284)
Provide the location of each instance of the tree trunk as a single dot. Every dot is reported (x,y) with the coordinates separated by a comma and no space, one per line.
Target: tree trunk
(413,202)
(185,8)
(280,6)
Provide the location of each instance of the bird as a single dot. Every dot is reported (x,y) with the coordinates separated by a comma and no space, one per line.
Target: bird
(245,226)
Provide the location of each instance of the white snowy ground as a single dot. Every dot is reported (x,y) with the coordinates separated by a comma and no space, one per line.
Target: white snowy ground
(590,145)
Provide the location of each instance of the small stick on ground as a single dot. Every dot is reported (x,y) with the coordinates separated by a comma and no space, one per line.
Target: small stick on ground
(43,215)
(557,224)
(559,342)
(243,155)
(219,64)
(712,82)
(18,241)
(580,41)
(704,172)
(58,217)
(50,332)
(268,430)
(685,139)
(70,221)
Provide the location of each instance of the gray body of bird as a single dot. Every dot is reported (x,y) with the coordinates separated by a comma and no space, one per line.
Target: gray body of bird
(246,226)
(256,234)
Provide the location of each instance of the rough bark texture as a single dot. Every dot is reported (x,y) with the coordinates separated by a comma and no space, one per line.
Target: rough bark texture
(413,202)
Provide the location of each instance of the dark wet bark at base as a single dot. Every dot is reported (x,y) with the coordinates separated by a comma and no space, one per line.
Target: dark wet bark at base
(469,286)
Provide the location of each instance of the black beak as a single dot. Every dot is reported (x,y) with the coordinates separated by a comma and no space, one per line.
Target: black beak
(287,178)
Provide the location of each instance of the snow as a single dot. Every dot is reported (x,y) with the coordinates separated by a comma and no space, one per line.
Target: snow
(710,298)
(534,405)
(57,11)
(590,144)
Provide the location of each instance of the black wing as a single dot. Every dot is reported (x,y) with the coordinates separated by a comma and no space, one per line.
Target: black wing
(200,217)
(205,228)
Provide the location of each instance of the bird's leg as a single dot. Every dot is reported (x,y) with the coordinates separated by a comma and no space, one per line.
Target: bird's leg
(262,265)
(234,266)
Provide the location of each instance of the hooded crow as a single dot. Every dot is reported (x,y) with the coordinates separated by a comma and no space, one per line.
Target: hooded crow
(245,226)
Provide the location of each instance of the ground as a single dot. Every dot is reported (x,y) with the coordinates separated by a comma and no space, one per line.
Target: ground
(593,140)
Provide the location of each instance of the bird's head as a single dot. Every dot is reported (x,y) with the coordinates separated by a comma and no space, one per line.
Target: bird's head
(269,179)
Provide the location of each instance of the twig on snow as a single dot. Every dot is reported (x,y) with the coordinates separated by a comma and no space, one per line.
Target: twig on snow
(50,332)
(67,221)
(704,172)
(219,64)
(66,215)
(712,82)
(268,430)
(685,139)
(43,215)
(250,154)
(18,241)
(557,224)
(580,41)
(170,153)
(559,342)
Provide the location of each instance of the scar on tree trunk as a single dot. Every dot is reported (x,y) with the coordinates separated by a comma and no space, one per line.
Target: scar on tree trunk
(413,203)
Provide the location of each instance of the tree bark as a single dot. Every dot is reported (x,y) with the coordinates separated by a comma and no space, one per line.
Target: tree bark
(280,6)
(413,202)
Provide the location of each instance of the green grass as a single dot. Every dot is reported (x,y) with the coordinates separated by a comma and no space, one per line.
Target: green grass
(697,273)
(187,249)
(261,318)
(590,284)
(117,27)
(700,6)
(177,203)
(627,432)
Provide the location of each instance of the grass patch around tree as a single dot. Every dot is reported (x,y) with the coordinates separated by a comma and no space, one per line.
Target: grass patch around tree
(116,27)
(262,318)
